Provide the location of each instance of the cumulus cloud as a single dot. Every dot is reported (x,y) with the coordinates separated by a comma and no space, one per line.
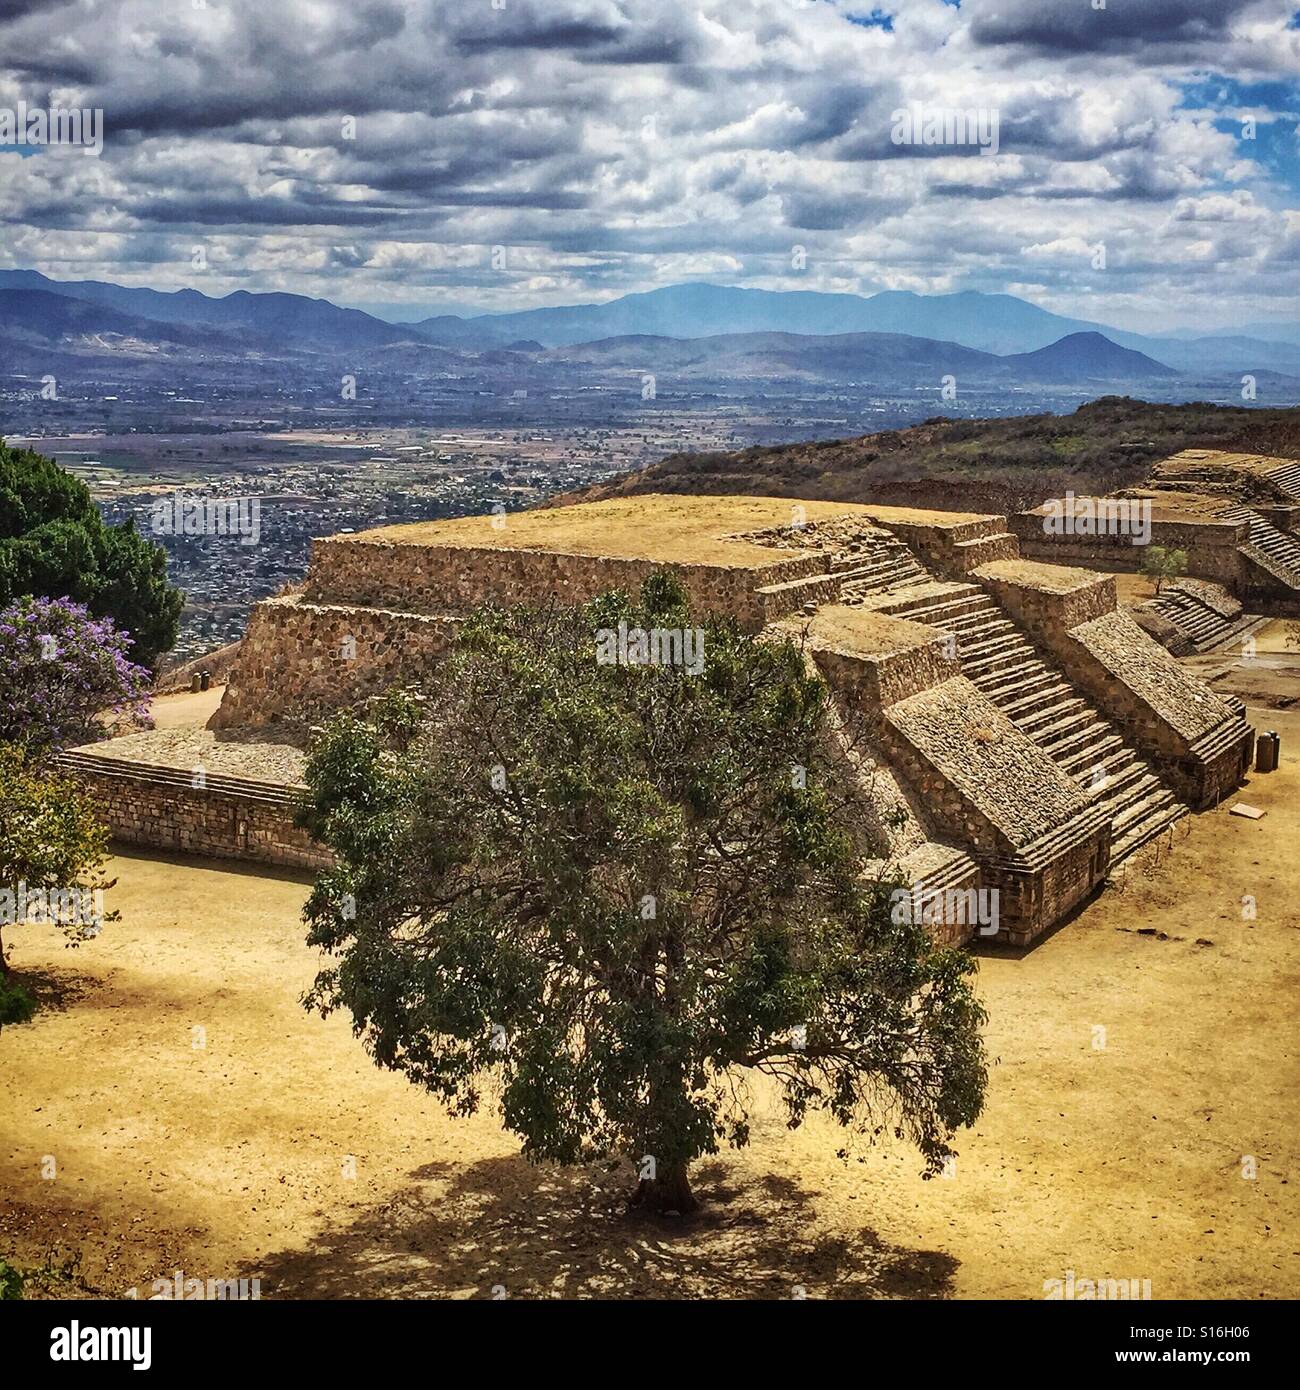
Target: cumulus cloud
(378,150)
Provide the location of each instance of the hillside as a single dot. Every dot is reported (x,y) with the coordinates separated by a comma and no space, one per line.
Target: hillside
(815,327)
(878,357)
(991,465)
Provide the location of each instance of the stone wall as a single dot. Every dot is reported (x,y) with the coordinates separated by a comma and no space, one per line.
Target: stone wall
(1048,596)
(955,548)
(1034,896)
(228,818)
(1162,711)
(300,659)
(1211,546)
(878,660)
(448,579)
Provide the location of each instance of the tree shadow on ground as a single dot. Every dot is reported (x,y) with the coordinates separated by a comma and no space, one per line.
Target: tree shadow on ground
(54,988)
(503,1228)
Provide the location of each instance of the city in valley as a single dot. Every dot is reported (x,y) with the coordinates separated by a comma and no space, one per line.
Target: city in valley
(310,483)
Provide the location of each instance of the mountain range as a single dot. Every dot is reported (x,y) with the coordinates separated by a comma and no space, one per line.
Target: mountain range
(697,331)
(997,323)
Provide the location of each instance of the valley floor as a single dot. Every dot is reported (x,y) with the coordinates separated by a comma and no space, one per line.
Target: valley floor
(199,1120)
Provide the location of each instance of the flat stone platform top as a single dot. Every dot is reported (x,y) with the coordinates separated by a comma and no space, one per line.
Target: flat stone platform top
(653,526)
(862,631)
(1048,579)
(261,759)
(1219,458)
(1172,504)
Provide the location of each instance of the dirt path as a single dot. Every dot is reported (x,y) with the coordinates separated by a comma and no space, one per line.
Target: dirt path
(268,1145)
(186,710)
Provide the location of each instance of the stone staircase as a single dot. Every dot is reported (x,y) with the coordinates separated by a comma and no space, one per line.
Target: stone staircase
(1282,549)
(878,564)
(1037,697)
(1205,628)
(1286,478)
(885,565)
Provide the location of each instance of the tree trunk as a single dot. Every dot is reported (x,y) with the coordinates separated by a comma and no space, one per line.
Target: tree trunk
(4,964)
(669,1191)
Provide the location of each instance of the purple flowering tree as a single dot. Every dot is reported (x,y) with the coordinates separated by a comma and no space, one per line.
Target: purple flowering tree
(61,671)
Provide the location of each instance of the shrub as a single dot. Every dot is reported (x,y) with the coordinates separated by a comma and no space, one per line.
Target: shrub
(62,669)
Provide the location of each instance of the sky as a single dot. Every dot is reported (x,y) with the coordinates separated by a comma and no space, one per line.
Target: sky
(421,156)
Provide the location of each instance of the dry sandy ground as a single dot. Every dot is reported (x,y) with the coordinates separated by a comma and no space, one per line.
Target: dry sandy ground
(231,1151)
(1133,589)
(1270,678)
(186,710)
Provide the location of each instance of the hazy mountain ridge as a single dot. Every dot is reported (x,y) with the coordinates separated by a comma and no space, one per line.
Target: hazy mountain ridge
(1078,357)
(996,323)
(699,332)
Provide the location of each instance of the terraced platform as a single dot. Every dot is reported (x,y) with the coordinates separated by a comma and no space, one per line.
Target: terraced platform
(1039,699)
(1022,737)
(1206,621)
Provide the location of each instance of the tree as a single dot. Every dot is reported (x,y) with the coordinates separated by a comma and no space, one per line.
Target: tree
(615,889)
(54,544)
(52,852)
(63,669)
(1161,564)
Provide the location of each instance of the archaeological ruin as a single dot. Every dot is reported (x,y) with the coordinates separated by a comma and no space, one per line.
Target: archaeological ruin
(1026,734)
(1234,516)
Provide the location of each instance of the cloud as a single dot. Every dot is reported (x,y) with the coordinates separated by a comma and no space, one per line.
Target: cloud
(378,149)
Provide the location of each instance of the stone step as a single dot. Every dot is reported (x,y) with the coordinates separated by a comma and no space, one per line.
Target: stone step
(972,621)
(1083,735)
(1118,790)
(1042,696)
(1017,682)
(1010,657)
(991,640)
(1142,831)
(1121,780)
(932,612)
(1082,761)
(1116,762)
(1046,724)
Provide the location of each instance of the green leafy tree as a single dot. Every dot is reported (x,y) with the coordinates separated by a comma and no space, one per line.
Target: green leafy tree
(54,544)
(1163,564)
(52,852)
(610,891)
